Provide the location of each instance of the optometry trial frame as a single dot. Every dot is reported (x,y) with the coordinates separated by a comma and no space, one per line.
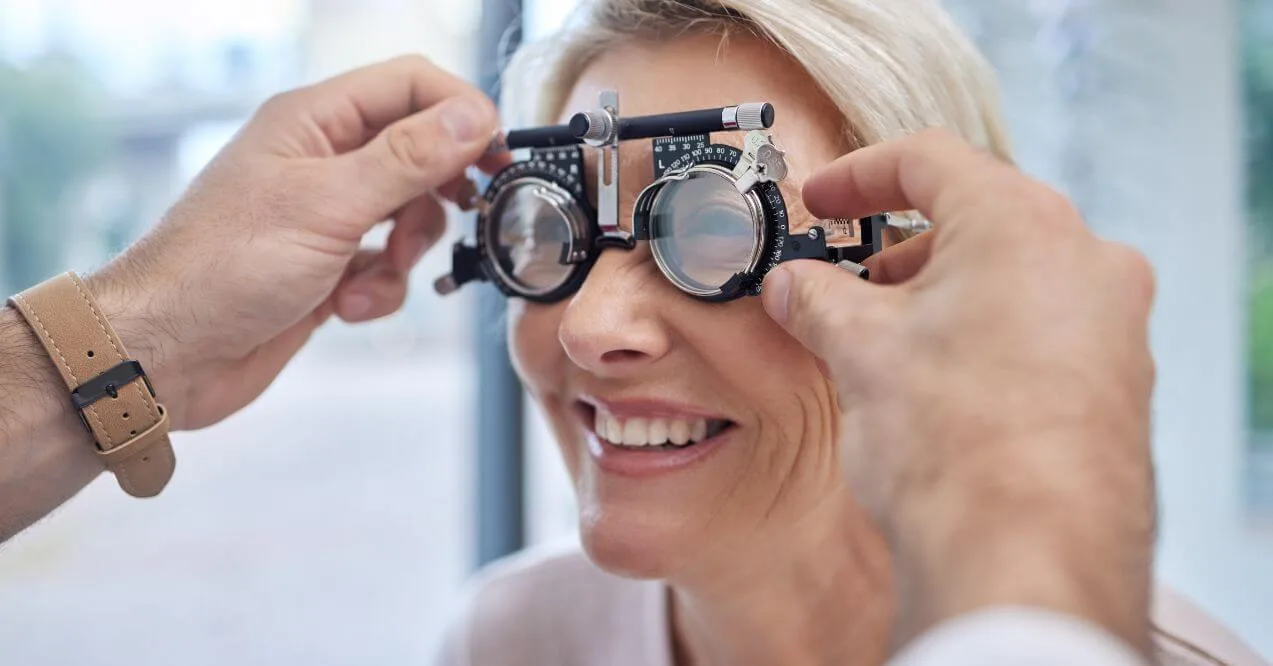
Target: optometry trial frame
(714,217)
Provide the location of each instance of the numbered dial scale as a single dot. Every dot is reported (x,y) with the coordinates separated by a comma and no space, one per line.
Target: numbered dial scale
(711,239)
(535,230)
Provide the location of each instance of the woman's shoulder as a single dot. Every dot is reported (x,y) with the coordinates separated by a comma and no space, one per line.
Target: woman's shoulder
(1186,635)
(551,605)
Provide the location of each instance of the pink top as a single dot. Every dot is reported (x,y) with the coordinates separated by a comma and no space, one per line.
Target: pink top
(552,606)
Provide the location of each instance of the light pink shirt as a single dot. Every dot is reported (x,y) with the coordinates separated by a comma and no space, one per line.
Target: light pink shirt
(552,606)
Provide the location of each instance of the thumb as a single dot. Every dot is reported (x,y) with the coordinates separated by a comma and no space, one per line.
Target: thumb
(420,153)
(832,312)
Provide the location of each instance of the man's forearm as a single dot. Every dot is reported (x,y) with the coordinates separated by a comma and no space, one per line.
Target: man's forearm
(45,454)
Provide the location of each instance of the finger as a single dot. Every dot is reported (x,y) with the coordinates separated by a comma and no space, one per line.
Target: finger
(352,108)
(416,155)
(932,172)
(829,310)
(460,191)
(491,163)
(372,288)
(463,191)
(901,262)
(416,228)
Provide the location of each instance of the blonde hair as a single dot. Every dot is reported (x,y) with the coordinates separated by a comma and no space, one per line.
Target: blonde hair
(891,67)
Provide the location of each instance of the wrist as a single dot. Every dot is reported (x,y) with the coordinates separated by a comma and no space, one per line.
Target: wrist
(964,547)
(138,316)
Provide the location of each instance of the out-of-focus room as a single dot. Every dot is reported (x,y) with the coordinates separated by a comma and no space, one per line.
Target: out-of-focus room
(273,547)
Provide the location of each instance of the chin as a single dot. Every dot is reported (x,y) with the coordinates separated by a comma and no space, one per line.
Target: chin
(627,544)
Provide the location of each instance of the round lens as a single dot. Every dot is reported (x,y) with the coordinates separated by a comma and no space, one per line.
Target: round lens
(702,232)
(528,235)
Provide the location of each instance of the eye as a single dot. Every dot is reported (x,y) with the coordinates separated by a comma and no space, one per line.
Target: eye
(702,231)
(529,238)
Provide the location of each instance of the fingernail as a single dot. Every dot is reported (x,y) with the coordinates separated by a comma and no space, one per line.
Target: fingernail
(355,305)
(462,118)
(466,199)
(774,294)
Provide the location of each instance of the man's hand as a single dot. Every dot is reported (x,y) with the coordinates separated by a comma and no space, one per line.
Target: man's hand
(265,245)
(258,253)
(996,383)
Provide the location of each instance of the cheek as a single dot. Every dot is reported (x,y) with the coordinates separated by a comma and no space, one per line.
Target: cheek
(535,351)
(542,365)
(787,465)
(775,377)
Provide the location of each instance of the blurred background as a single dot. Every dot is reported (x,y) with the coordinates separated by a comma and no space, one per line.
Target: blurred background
(270,547)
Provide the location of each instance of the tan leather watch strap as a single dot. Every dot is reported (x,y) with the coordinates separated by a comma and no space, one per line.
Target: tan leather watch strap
(115,399)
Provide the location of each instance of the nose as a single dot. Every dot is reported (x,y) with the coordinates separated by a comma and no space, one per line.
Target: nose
(613,326)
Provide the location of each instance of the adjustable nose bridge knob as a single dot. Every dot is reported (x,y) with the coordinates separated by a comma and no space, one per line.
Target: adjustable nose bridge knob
(595,127)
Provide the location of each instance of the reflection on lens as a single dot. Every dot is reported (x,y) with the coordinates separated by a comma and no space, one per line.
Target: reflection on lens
(527,237)
(702,231)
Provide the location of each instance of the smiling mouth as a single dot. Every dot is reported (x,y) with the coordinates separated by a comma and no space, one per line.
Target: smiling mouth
(654,433)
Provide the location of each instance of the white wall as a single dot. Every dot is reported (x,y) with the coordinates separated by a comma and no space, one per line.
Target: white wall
(1191,163)
(1141,124)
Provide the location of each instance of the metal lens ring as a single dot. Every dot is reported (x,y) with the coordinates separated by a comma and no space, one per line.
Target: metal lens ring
(703,232)
(534,236)
(707,238)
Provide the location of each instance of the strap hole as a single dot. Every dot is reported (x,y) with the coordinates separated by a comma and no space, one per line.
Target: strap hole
(145,459)
(90,353)
(133,433)
(125,414)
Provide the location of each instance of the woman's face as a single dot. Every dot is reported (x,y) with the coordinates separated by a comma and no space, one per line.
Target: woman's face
(630,363)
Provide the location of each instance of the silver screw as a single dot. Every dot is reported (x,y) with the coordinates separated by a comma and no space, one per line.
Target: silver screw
(813,234)
(855,268)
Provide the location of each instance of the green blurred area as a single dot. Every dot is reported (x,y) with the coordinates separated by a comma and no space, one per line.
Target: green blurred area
(1261,347)
(1257,73)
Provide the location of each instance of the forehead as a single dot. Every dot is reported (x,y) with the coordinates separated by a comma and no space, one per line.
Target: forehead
(708,71)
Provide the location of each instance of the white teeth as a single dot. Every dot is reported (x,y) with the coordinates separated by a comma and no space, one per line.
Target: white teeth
(602,426)
(679,432)
(639,432)
(634,432)
(658,430)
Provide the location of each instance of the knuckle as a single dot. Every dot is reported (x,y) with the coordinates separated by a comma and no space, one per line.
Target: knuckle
(1048,207)
(1053,205)
(278,104)
(409,148)
(412,61)
(1134,268)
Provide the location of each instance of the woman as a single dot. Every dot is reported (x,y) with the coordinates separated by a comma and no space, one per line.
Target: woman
(743,546)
